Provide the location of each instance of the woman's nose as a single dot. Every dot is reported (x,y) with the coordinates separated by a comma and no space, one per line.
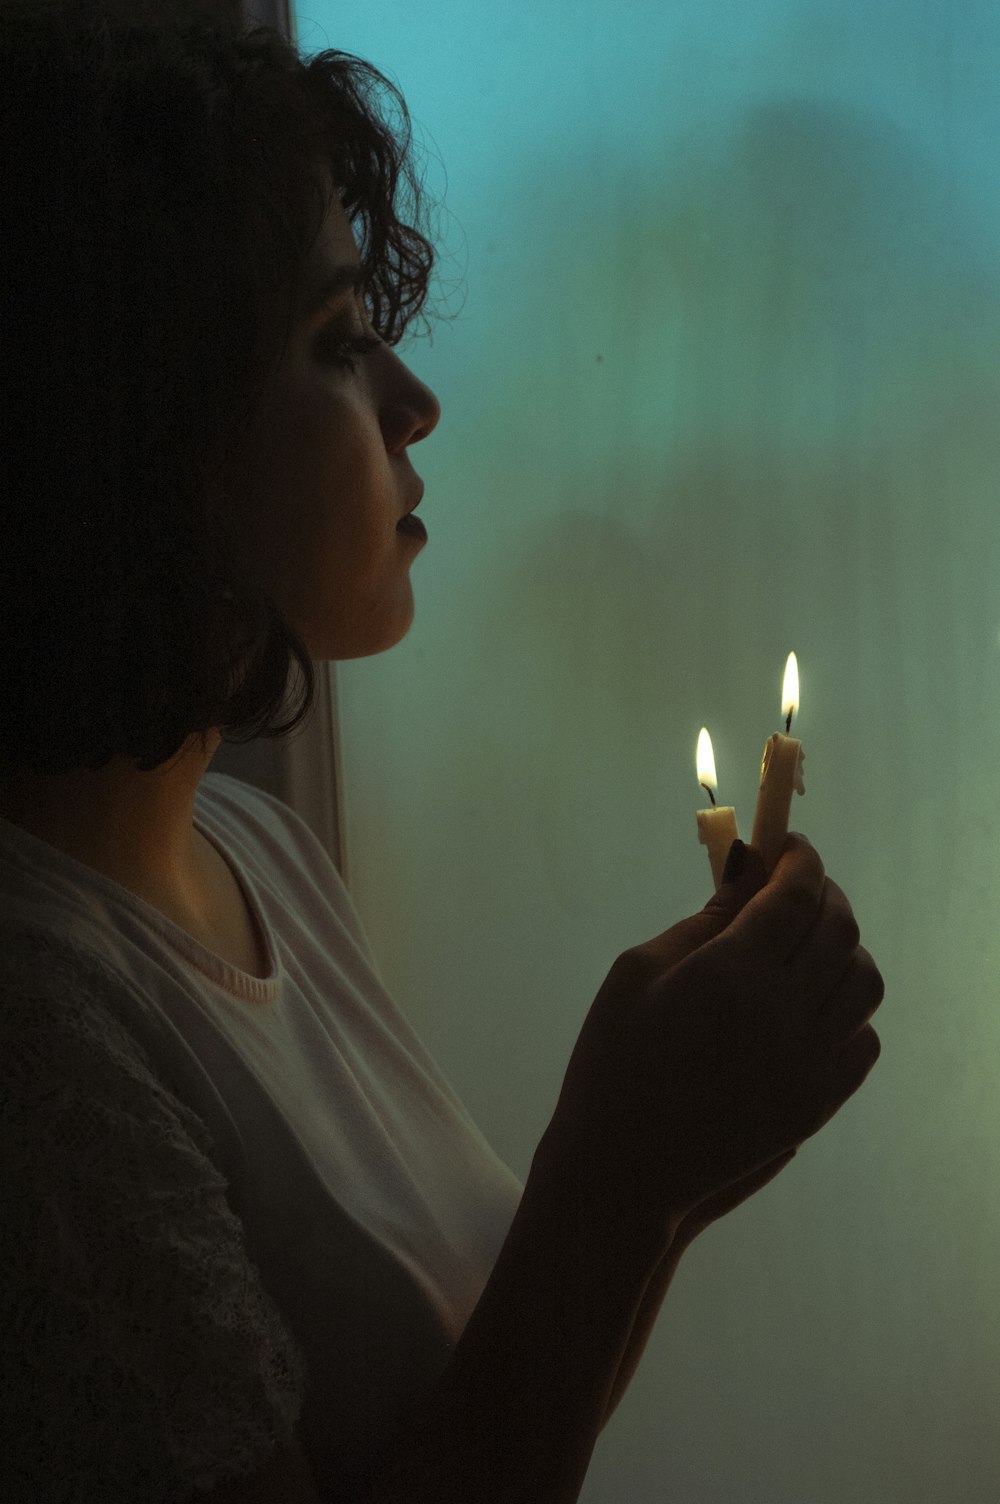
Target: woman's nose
(412,410)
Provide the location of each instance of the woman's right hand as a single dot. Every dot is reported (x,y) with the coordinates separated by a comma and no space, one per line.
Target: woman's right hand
(713,1049)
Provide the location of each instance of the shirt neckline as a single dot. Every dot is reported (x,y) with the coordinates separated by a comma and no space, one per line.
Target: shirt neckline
(223,973)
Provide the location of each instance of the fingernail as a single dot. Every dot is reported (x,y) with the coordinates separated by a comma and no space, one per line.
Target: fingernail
(735,862)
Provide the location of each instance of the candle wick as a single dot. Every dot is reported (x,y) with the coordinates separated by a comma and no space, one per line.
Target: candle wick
(708,791)
(788,723)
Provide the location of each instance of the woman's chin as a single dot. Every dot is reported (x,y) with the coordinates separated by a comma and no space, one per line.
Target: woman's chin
(389,631)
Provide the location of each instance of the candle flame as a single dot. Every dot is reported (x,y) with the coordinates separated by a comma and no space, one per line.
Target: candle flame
(790,689)
(705,761)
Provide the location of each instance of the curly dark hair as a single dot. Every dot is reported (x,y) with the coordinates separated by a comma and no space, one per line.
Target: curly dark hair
(164,178)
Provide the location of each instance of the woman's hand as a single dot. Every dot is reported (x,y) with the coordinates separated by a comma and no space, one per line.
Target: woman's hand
(709,1053)
(750,877)
(712,1051)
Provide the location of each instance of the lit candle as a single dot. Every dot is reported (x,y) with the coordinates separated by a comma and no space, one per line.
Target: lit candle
(716,826)
(780,773)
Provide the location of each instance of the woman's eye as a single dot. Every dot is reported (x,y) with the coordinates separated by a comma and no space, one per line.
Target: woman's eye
(343,349)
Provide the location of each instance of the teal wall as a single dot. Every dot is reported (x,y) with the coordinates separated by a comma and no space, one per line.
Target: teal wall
(722,379)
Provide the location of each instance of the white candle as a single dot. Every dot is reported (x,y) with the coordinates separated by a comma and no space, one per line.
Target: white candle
(716,826)
(780,775)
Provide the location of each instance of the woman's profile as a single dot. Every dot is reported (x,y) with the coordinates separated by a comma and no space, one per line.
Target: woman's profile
(252,1246)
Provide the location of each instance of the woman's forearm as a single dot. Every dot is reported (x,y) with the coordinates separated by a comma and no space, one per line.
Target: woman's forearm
(645,1319)
(695,1223)
(515,1417)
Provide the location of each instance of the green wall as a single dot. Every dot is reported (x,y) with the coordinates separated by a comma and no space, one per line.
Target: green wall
(719,379)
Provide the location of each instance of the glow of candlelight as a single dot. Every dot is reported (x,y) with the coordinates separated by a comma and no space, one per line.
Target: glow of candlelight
(790,691)
(705,763)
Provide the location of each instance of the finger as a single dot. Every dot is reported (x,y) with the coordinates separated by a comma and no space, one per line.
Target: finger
(675,944)
(750,878)
(744,876)
(856,1062)
(855,999)
(825,953)
(778,918)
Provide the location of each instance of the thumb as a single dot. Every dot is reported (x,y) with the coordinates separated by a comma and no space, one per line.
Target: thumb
(743,876)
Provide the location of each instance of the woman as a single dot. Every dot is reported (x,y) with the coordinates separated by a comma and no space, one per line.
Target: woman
(252,1246)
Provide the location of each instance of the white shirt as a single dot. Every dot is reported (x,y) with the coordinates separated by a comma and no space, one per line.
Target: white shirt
(229,1204)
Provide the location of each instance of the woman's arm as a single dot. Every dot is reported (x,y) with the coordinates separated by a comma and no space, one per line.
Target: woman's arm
(653,1296)
(744,877)
(515,1418)
(525,1409)
(705,1060)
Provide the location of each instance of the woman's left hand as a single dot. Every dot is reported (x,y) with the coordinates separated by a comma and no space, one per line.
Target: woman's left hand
(725,1201)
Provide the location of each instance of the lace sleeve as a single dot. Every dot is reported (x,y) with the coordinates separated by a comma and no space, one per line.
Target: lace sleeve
(142,1358)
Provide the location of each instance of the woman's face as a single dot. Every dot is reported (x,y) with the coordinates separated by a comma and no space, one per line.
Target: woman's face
(326,475)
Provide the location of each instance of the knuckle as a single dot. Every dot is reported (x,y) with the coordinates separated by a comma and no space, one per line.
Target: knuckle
(800,899)
(873,977)
(810,860)
(811,1113)
(858,1059)
(848,931)
(866,1047)
(632,967)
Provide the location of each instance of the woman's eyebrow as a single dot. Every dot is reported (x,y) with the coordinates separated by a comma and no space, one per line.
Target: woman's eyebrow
(349,276)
